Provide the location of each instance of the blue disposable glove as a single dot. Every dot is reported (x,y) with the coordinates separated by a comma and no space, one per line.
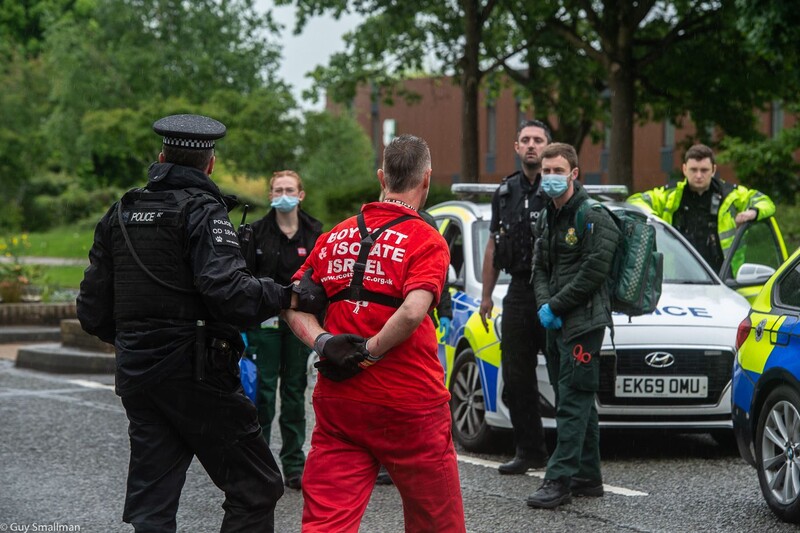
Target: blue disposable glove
(244,338)
(547,318)
(444,327)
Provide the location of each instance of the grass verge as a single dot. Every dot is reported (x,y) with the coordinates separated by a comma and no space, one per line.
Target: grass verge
(71,241)
(63,277)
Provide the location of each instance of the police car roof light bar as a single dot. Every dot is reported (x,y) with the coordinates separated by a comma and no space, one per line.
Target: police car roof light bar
(489,188)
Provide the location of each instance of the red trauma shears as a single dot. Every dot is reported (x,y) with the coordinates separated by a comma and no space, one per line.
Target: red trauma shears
(581,356)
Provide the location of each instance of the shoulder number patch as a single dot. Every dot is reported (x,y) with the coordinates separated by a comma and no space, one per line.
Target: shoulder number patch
(222,232)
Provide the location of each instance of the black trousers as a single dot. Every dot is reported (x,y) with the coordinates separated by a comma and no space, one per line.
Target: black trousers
(178,419)
(523,337)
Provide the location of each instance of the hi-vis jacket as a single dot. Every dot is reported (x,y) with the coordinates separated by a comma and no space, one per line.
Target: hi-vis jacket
(734,199)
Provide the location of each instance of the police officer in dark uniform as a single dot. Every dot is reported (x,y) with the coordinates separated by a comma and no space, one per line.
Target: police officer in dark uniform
(167,285)
(515,207)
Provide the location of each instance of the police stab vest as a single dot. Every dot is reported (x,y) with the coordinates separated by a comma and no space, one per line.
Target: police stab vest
(154,279)
(518,214)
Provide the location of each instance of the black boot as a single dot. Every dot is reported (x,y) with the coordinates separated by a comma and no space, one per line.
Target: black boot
(521,464)
(552,493)
(294,480)
(592,488)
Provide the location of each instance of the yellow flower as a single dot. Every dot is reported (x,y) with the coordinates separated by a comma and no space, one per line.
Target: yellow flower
(14,241)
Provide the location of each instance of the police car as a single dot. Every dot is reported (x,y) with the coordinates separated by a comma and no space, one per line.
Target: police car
(766,390)
(670,369)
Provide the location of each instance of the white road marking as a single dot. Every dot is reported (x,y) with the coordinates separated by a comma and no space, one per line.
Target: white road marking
(540,474)
(90,384)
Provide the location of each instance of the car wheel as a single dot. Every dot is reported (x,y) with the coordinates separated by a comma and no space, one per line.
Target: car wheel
(467,406)
(778,453)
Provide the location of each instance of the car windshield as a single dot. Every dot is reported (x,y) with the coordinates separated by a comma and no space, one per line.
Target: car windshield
(680,264)
(480,234)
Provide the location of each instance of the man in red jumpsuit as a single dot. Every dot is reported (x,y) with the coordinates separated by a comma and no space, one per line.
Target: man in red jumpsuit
(392,407)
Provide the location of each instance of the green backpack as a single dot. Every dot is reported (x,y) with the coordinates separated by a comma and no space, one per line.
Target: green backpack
(637,272)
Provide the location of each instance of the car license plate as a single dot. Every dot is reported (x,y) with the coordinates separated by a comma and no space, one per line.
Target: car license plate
(661,386)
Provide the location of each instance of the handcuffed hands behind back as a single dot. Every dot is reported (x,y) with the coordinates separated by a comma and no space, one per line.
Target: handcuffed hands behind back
(341,355)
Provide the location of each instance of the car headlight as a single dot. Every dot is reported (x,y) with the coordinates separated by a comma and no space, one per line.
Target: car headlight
(497,326)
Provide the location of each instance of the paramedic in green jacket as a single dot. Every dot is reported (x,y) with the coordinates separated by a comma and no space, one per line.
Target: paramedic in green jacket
(705,209)
(571,265)
(282,240)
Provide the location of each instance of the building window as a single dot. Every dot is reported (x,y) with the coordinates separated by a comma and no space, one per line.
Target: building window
(668,147)
(606,145)
(491,138)
(777,118)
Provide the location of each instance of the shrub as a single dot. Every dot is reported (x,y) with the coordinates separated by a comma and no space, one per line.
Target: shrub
(73,205)
(15,275)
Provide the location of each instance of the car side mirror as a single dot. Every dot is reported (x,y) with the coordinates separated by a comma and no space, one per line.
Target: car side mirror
(753,274)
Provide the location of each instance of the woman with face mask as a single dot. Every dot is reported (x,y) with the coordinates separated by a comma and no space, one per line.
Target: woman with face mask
(282,239)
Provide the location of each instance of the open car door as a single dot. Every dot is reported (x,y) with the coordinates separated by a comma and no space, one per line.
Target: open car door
(757,251)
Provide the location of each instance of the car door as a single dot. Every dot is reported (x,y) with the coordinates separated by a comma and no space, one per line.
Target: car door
(757,251)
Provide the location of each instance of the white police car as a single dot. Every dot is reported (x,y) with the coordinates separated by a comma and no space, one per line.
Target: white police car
(670,369)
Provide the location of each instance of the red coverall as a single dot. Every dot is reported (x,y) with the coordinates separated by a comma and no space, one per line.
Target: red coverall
(395,412)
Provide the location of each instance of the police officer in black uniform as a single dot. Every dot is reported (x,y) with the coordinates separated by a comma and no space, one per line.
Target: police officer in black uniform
(167,285)
(515,207)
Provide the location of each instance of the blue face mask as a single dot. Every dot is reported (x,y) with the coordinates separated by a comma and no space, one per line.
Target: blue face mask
(285,203)
(554,185)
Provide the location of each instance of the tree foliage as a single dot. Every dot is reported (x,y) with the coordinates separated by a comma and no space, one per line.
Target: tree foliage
(81,83)
(771,30)
(263,130)
(23,23)
(396,39)
(766,164)
(581,63)
(336,164)
(124,54)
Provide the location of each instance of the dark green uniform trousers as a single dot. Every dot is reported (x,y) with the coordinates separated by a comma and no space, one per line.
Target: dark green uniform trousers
(577,452)
(281,355)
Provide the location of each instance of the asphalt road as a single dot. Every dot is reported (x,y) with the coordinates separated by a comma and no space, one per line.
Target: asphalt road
(64,453)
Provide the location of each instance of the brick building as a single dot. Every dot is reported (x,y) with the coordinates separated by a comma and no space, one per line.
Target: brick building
(437,117)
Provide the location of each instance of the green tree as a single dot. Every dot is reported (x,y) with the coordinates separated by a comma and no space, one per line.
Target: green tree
(23,103)
(336,164)
(23,97)
(120,55)
(772,31)
(263,131)
(625,38)
(572,109)
(587,61)
(396,38)
(23,23)
(765,164)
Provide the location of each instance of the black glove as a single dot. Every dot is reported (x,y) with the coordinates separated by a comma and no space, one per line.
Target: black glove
(335,373)
(346,350)
(311,297)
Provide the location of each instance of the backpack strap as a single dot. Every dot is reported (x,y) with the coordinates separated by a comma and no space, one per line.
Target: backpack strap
(356,291)
(580,226)
(580,214)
